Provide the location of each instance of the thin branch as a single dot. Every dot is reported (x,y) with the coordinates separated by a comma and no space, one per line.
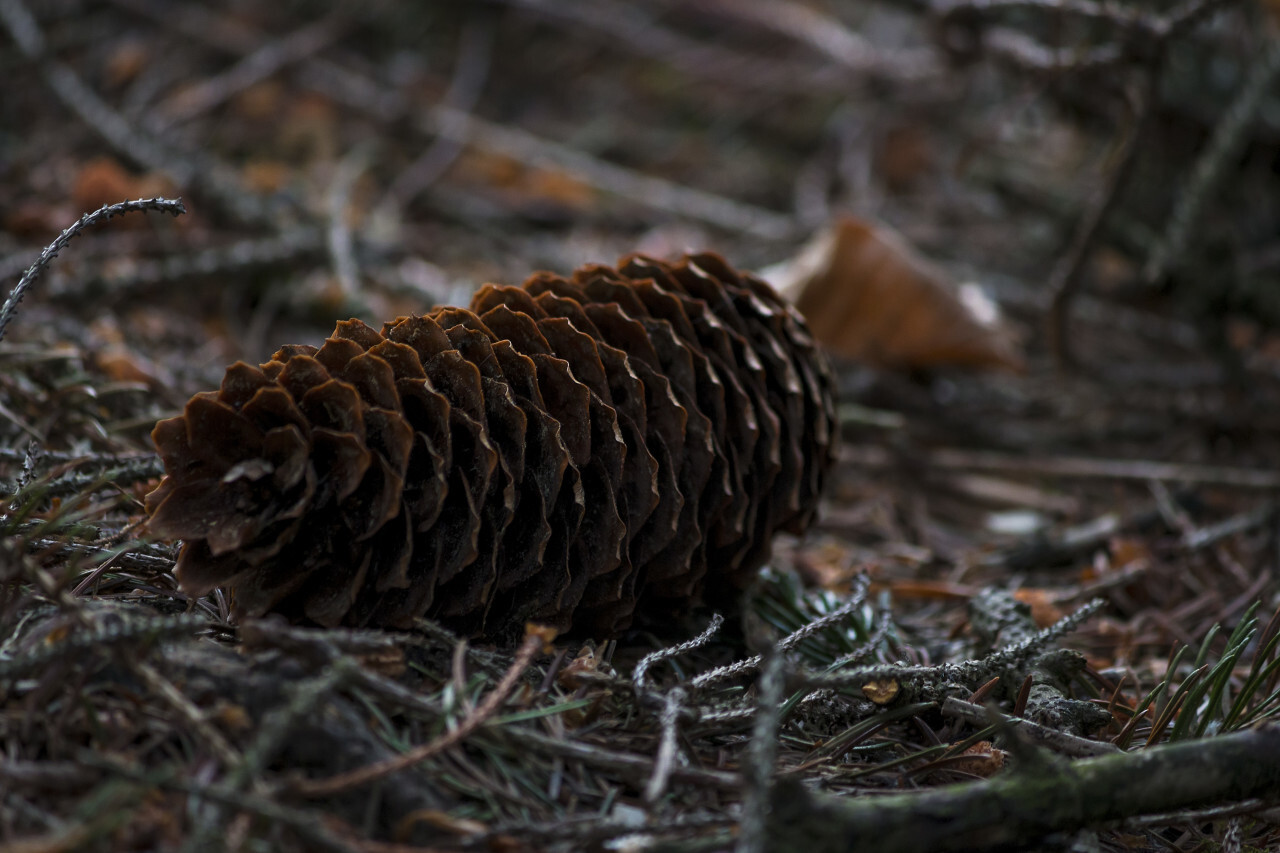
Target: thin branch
(294,244)
(340,240)
(829,36)
(143,148)
(1061,742)
(124,629)
(10,307)
(856,598)
(194,717)
(313,832)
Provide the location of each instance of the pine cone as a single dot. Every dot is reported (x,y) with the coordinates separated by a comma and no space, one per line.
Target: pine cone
(573,451)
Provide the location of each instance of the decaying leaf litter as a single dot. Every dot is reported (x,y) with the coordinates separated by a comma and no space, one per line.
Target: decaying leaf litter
(374,162)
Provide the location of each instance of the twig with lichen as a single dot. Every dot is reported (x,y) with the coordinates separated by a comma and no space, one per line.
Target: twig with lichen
(936,683)
(10,307)
(122,628)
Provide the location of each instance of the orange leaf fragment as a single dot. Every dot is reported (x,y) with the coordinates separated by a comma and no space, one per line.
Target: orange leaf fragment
(870,296)
(545,633)
(441,820)
(881,691)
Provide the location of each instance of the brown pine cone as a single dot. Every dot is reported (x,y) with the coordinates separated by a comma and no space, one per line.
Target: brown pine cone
(569,452)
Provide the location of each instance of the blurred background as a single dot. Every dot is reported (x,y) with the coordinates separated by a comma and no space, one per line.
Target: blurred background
(379,157)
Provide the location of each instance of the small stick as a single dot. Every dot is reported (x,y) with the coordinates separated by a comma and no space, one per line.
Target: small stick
(857,596)
(340,240)
(178,701)
(638,680)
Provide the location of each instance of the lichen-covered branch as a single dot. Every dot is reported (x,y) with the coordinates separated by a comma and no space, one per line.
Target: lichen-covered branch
(1017,810)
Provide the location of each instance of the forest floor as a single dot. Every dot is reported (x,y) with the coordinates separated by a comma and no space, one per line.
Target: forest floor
(381,158)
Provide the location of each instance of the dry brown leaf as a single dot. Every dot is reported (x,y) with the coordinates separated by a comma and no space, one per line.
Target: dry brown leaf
(868,295)
(1043,604)
(389,662)
(571,676)
(232,716)
(114,358)
(266,176)
(522,185)
(37,219)
(1127,550)
(262,101)
(981,759)
(103,180)
(120,364)
(545,633)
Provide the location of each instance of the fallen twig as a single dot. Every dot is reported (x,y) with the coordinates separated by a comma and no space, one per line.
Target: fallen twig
(1070,466)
